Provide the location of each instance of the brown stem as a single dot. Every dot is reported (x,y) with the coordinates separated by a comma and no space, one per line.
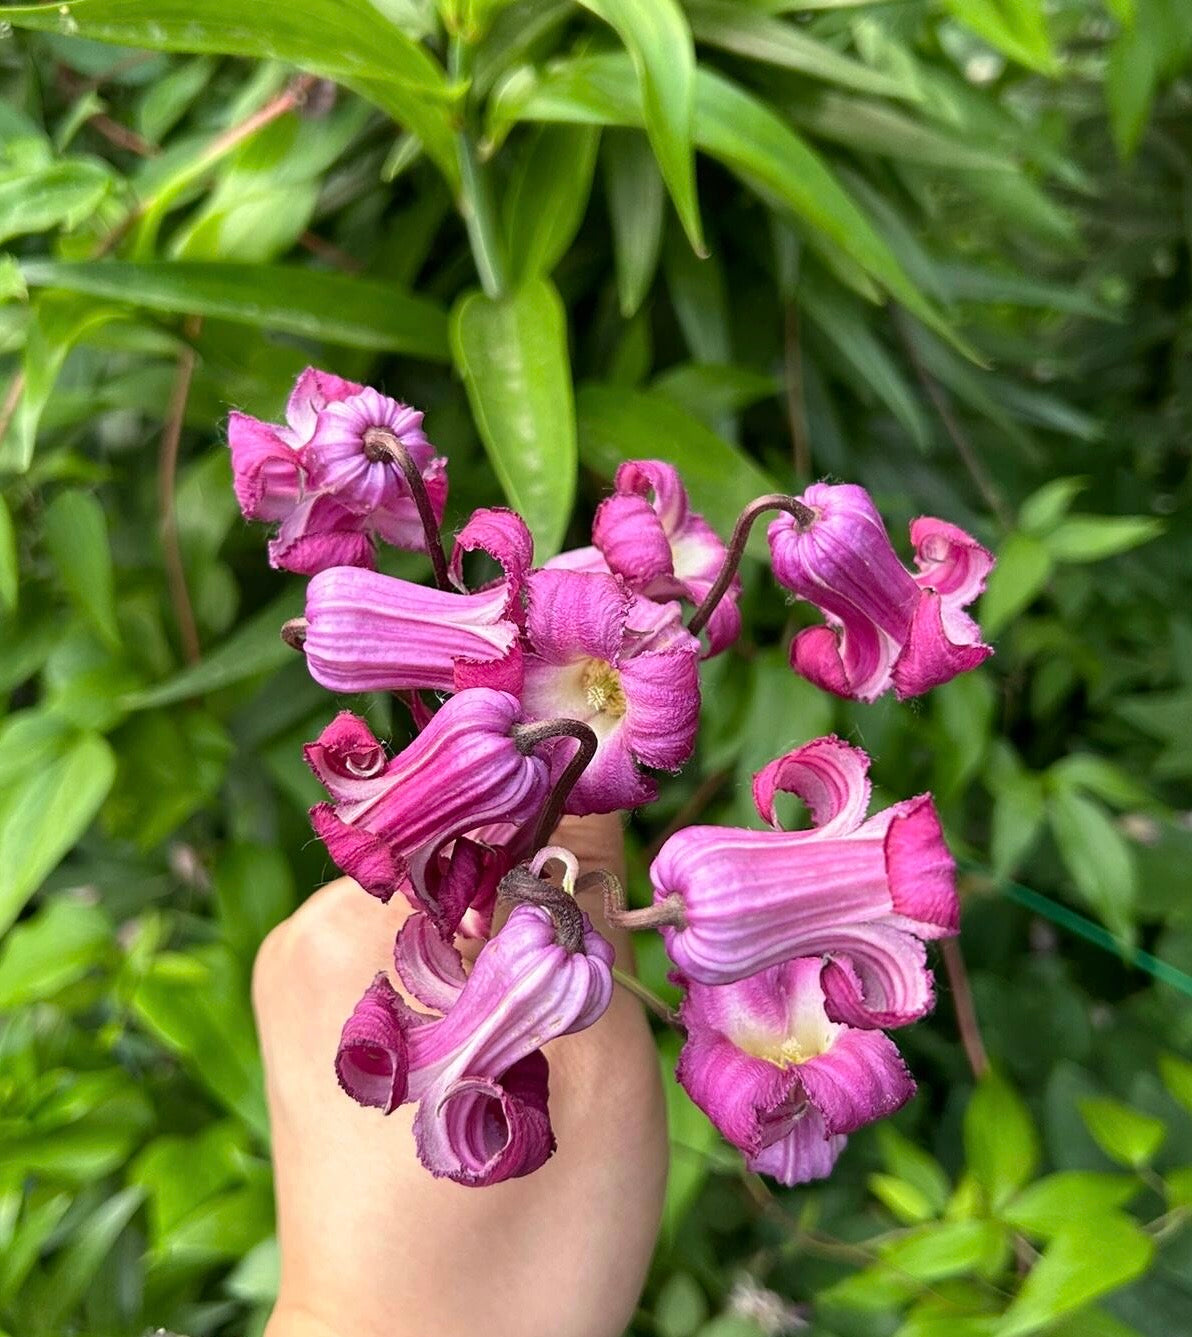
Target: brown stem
(528,736)
(329,251)
(286,101)
(964,447)
(772,501)
(522,888)
(167,473)
(796,417)
(966,1013)
(122,136)
(667,913)
(381,445)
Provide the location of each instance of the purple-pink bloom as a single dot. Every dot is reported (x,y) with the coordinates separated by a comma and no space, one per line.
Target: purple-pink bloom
(370,632)
(862,892)
(326,476)
(390,819)
(647,533)
(778,1077)
(477,1072)
(621,664)
(887,627)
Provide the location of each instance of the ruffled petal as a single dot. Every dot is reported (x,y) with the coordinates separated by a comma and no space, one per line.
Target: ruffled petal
(629,533)
(372,1061)
(859,1079)
(480,1131)
(320,534)
(266,470)
(829,775)
(930,657)
(921,870)
(364,856)
(574,615)
(347,759)
(662,706)
(312,392)
(428,967)
(950,562)
(875,977)
(806,1151)
(612,780)
(660,483)
(503,535)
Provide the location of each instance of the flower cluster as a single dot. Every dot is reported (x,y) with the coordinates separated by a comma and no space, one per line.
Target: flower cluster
(563,688)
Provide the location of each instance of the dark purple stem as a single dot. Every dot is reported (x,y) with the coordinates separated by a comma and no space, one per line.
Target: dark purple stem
(380,444)
(773,501)
(528,737)
(522,888)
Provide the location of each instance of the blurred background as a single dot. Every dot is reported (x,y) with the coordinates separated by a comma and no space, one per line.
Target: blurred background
(947,256)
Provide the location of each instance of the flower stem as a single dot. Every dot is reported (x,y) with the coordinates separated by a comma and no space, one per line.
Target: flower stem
(528,736)
(667,913)
(522,887)
(966,1013)
(475,199)
(647,996)
(382,444)
(772,501)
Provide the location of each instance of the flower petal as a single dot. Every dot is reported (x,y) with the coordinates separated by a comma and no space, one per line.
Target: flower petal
(805,1152)
(876,976)
(860,1079)
(662,706)
(829,775)
(312,392)
(347,759)
(930,658)
(574,615)
(372,1061)
(630,535)
(428,967)
(319,534)
(503,535)
(921,870)
(266,470)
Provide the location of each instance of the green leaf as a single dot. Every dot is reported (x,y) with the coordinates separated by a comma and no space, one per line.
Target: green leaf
(745,32)
(1000,1141)
(1177,1077)
(692,1143)
(10,571)
(354,312)
(255,647)
(635,199)
(512,355)
(197,1005)
(254,890)
(617,425)
(1018,813)
(1018,28)
(369,54)
(1044,509)
(76,534)
(1090,538)
(1085,1260)
(547,197)
(50,951)
(1098,857)
(1097,776)
(1132,78)
(1051,1204)
(64,193)
(946,1249)
(681,1306)
(46,814)
(1123,1134)
(910,1163)
(904,1201)
(1023,568)
(656,35)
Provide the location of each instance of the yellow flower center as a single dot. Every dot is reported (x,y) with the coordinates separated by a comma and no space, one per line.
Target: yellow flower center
(601,685)
(788,1051)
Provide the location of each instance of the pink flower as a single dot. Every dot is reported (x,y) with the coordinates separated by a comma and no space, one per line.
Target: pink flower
(778,1077)
(390,820)
(327,475)
(619,663)
(647,534)
(477,1072)
(887,626)
(369,632)
(863,893)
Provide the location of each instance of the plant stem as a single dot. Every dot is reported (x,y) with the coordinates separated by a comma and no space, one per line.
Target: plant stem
(381,445)
(475,200)
(966,1013)
(772,501)
(528,737)
(647,996)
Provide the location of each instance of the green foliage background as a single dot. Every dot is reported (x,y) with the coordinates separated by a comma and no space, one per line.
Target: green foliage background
(947,255)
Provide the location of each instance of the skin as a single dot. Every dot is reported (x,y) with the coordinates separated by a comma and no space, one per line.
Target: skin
(371,1244)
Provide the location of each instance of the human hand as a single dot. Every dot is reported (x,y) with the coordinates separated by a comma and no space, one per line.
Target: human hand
(370,1243)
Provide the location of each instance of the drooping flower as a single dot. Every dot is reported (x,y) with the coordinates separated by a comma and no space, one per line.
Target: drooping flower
(886,626)
(863,893)
(328,474)
(647,534)
(621,664)
(370,632)
(390,819)
(477,1072)
(778,1077)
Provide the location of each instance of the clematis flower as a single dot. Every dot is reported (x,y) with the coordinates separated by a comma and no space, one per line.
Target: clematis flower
(862,892)
(647,533)
(619,663)
(886,626)
(778,1077)
(329,477)
(370,632)
(389,819)
(477,1073)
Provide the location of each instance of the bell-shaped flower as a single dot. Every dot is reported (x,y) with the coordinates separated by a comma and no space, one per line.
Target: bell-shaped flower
(647,534)
(329,477)
(886,626)
(620,664)
(389,819)
(477,1073)
(862,892)
(369,632)
(778,1077)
